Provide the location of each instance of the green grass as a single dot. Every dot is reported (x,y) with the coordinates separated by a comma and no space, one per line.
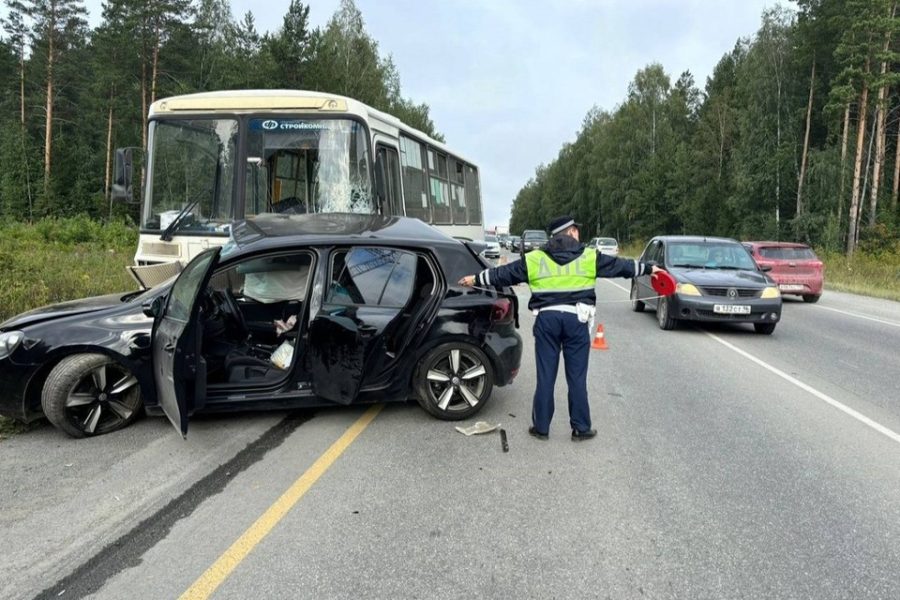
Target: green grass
(8,427)
(875,275)
(57,260)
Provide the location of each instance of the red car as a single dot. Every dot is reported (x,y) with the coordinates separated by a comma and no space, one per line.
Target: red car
(794,267)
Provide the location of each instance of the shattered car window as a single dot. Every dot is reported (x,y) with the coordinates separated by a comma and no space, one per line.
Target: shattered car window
(372,276)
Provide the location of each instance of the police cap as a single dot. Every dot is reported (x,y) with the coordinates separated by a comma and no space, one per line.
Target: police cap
(560,224)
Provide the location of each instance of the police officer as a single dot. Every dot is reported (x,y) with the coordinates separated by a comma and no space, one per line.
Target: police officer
(562,276)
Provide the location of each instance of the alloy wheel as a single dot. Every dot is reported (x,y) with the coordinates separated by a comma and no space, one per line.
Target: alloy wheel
(454,381)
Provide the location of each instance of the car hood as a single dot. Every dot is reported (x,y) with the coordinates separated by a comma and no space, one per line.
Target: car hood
(720,277)
(63,309)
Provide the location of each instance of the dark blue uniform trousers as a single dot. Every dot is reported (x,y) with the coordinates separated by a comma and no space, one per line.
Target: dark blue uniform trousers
(554,331)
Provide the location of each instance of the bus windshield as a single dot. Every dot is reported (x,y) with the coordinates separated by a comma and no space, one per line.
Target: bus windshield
(291,166)
(192,170)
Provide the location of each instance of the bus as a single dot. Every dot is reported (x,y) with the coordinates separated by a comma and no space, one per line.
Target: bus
(213,158)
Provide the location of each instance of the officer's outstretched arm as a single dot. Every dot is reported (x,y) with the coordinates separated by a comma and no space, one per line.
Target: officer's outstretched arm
(611,266)
(508,274)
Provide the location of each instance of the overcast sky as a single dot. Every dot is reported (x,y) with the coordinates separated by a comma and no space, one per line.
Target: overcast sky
(510,81)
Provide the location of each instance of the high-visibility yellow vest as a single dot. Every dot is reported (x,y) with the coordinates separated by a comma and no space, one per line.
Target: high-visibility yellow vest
(544,275)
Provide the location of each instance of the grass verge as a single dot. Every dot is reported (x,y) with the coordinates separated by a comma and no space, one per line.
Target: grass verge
(875,275)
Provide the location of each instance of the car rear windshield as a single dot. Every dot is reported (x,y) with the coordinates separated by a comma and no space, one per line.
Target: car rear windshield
(534,235)
(787,253)
(607,242)
(490,238)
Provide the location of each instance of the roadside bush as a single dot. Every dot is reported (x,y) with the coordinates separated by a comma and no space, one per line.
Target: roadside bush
(871,274)
(62,259)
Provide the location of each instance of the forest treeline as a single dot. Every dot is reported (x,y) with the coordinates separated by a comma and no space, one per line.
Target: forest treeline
(795,136)
(70,94)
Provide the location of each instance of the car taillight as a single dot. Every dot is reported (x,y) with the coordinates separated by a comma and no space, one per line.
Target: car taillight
(501,310)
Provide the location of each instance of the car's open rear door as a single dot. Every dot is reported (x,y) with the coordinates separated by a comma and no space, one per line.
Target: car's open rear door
(179,368)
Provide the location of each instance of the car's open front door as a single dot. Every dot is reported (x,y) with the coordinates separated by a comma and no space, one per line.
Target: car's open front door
(179,368)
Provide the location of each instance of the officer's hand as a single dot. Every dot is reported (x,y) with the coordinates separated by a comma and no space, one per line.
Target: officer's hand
(655,269)
(468,281)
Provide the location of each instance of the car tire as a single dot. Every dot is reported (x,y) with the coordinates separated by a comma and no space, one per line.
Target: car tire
(91,394)
(764,328)
(811,298)
(663,315)
(636,305)
(453,381)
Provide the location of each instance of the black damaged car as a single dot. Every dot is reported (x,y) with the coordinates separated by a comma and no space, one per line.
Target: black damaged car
(716,281)
(294,311)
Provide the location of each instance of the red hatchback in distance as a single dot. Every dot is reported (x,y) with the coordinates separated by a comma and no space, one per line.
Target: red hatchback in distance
(794,267)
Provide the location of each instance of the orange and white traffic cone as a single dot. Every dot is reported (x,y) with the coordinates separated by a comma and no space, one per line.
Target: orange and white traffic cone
(599,342)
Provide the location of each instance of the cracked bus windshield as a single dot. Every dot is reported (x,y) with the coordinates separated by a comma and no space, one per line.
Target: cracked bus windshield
(291,166)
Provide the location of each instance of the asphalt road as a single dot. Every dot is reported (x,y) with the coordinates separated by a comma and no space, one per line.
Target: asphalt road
(728,465)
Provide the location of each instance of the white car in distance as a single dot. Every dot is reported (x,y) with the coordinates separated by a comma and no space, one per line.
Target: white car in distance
(493,246)
(606,245)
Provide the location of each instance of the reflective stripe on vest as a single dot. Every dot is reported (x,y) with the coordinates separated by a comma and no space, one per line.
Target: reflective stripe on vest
(545,275)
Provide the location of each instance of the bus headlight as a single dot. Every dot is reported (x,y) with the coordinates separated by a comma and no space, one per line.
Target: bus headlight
(687,289)
(770,292)
(9,341)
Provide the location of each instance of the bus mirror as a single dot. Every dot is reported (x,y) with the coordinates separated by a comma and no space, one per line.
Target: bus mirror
(124,174)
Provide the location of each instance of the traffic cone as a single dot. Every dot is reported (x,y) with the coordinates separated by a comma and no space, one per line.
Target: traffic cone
(599,342)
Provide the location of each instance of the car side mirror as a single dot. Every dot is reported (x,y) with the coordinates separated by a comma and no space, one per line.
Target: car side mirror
(154,309)
(765,268)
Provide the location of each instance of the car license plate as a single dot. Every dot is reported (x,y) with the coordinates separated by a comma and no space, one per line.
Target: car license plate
(731,309)
(791,287)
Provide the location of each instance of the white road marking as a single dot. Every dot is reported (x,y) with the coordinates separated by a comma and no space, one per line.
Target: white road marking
(859,316)
(624,289)
(807,388)
(821,396)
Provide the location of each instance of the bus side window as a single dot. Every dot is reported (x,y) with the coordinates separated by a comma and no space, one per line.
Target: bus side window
(439,188)
(473,195)
(395,194)
(458,193)
(415,192)
(388,164)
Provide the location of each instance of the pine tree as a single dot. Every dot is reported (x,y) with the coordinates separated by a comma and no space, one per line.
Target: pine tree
(52,21)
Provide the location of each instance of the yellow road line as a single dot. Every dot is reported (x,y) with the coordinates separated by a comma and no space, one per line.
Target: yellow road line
(207,583)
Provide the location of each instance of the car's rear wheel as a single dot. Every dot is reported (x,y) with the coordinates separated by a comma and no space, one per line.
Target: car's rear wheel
(454,381)
(664,316)
(764,328)
(811,298)
(91,394)
(636,305)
